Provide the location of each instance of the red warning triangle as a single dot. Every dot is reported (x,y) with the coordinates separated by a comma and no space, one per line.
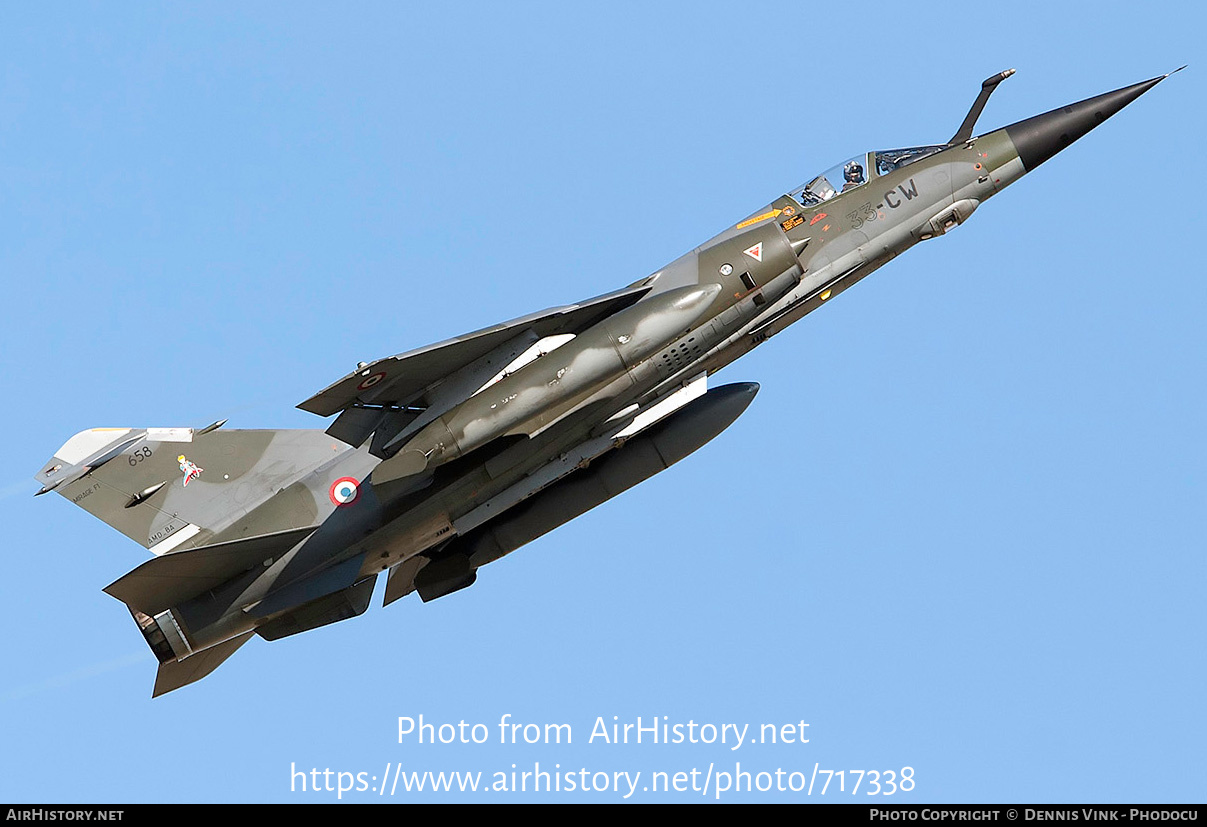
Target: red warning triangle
(755,252)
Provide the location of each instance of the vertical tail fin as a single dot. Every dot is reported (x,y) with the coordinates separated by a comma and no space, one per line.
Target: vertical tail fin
(172,489)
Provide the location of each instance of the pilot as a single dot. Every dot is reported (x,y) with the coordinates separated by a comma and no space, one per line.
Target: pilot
(853,173)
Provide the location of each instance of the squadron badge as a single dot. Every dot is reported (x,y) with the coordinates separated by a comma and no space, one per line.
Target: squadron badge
(189,469)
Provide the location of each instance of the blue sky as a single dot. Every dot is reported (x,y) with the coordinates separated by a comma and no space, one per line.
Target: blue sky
(960,529)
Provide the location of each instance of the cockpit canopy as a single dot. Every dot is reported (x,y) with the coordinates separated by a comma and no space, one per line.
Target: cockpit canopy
(857,171)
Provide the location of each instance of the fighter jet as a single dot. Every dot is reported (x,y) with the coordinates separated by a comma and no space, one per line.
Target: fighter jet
(446,458)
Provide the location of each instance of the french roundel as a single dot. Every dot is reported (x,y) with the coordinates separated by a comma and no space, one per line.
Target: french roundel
(344,491)
(371,381)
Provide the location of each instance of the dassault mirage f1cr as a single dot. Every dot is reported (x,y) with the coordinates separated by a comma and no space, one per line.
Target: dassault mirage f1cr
(448,457)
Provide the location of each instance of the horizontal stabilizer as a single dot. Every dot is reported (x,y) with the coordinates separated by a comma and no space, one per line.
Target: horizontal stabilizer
(170,580)
(175,674)
(398,379)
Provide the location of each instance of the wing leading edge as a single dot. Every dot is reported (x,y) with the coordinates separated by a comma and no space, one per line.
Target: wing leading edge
(399,380)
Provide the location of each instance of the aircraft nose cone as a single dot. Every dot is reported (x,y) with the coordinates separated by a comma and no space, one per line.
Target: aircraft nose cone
(1039,138)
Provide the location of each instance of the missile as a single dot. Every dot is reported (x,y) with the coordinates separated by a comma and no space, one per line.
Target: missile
(610,350)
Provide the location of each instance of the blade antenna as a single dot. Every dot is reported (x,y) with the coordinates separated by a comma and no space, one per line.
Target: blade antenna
(987,87)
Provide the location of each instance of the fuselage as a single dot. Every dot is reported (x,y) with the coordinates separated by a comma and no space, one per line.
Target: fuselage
(767,271)
(463,467)
(806,254)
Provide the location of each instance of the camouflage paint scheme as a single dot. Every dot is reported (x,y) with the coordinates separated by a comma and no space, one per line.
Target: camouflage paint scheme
(448,457)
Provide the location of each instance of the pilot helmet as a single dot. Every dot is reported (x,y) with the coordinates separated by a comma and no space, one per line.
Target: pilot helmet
(853,172)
